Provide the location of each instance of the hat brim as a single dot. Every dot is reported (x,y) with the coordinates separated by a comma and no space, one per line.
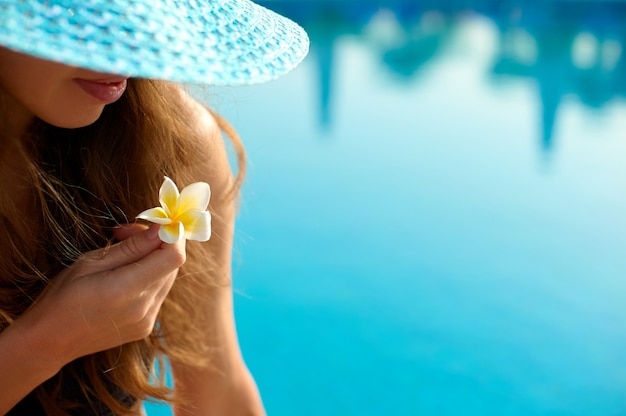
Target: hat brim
(218,42)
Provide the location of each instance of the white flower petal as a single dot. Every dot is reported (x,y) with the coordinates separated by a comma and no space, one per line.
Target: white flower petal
(182,214)
(171,233)
(168,196)
(197,225)
(156,215)
(194,197)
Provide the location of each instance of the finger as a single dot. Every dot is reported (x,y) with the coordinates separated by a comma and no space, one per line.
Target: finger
(162,293)
(166,284)
(122,232)
(154,270)
(131,250)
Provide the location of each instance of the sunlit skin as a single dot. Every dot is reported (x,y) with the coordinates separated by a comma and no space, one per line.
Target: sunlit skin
(31,87)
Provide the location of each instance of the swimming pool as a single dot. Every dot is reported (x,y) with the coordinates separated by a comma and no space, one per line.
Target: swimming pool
(434,219)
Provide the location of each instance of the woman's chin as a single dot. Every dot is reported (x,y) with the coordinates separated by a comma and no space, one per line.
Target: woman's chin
(76,121)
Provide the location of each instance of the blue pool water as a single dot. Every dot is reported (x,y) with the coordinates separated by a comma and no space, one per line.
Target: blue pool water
(434,218)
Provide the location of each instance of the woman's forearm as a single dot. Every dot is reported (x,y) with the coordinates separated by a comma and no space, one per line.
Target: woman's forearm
(25,363)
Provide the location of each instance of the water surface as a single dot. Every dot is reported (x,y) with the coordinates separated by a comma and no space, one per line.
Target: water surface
(433,221)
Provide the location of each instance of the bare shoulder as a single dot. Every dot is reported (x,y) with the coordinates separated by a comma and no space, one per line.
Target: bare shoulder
(213,164)
(208,162)
(201,120)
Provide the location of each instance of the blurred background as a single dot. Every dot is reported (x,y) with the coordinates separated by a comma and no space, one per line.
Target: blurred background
(434,217)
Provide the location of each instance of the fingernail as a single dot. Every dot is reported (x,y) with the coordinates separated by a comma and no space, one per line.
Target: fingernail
(153,232)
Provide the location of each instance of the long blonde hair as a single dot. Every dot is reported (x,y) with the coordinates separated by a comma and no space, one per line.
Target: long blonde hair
(85,182)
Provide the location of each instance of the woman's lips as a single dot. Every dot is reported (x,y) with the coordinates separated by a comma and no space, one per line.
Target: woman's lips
(106,90)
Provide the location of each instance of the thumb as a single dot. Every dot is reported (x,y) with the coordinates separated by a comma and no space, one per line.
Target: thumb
(122,232)
(135,246)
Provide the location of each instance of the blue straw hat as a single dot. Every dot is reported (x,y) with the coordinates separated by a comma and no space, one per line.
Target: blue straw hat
(219,42)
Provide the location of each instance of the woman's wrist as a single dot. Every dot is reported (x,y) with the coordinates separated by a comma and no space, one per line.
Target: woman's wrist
(36,347)
(24,364)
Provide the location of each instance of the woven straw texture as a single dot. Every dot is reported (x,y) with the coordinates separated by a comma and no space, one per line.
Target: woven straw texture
(219,42)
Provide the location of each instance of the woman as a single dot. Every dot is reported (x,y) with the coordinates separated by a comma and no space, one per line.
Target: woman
(90,123)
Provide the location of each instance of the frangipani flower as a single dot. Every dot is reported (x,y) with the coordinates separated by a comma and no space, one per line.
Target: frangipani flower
(181,215)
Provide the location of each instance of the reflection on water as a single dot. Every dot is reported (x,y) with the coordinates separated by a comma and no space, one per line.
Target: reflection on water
(415,255)
(410,258)
(568,48)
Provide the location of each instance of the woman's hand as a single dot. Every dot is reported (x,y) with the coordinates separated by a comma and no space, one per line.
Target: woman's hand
(107,298)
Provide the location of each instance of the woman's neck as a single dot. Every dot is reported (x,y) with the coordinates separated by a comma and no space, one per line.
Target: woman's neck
(14,123)
(14,176)
(15,119)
